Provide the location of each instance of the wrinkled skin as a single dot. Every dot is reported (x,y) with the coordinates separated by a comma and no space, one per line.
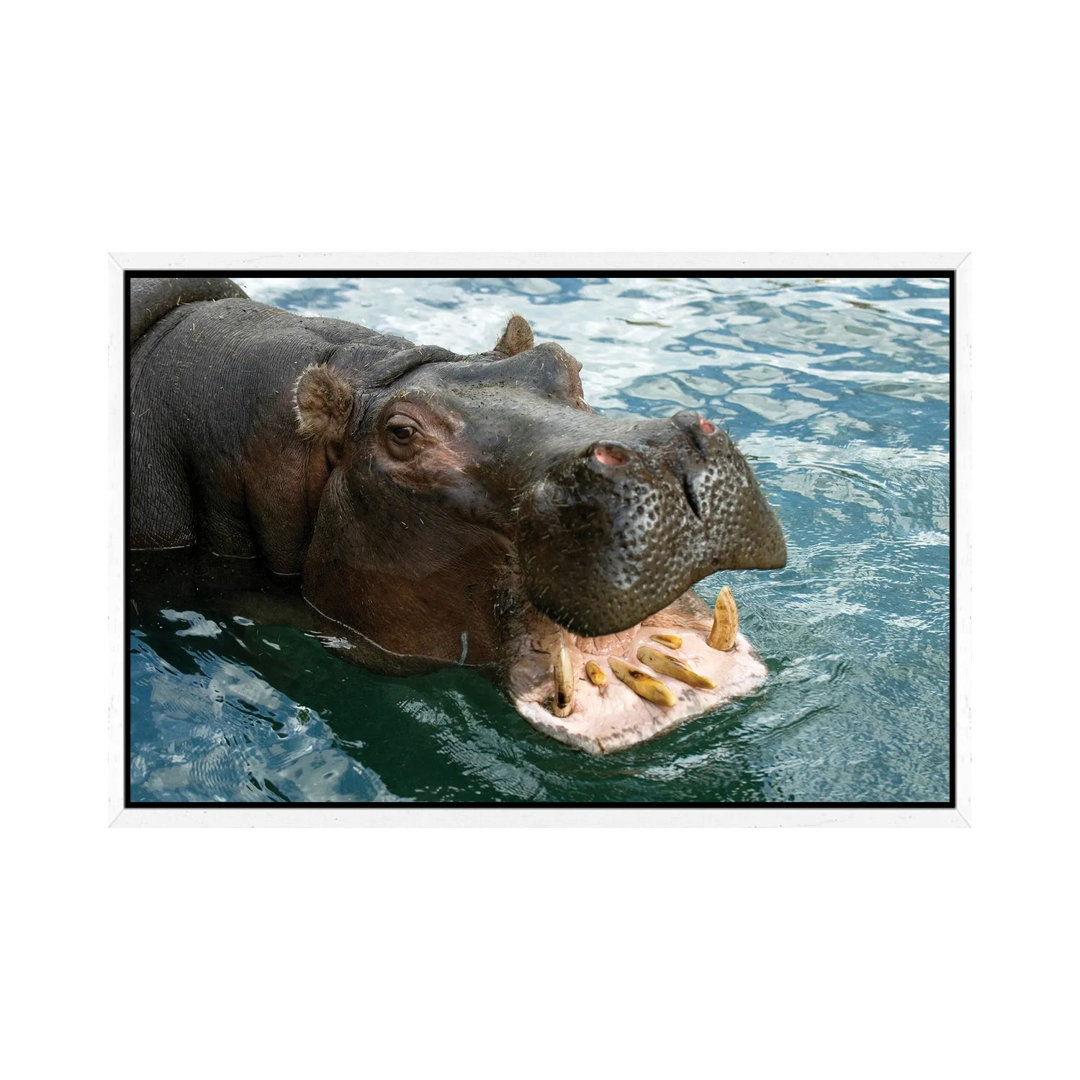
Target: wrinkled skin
(443,508)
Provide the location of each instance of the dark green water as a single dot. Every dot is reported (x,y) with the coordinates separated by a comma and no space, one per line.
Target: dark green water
(838,391)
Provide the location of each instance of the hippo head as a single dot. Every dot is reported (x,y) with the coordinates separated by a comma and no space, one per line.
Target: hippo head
(477,511)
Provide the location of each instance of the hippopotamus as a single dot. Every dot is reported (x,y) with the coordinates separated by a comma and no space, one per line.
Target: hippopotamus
(451,509)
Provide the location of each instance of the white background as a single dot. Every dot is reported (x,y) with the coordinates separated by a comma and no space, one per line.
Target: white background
(554,127)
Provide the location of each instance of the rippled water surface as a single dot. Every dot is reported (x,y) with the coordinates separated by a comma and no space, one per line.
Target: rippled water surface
(838,392)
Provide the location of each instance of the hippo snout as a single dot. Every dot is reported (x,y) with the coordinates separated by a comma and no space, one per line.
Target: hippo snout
(610,536)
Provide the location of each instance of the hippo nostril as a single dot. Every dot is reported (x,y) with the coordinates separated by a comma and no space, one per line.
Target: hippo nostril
(611,454)
(695,427)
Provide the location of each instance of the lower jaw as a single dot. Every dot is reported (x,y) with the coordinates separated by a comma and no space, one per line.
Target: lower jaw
(600,719)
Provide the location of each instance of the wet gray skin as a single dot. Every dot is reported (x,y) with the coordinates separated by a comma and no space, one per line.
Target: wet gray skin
(428,499)
(611,519)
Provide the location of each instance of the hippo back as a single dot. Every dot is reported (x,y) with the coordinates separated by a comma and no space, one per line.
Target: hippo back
(153,297)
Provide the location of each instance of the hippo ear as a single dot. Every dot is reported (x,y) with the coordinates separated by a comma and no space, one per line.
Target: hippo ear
(517,337)
(324,403)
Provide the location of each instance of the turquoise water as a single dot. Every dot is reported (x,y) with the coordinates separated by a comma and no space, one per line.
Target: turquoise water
(836,389)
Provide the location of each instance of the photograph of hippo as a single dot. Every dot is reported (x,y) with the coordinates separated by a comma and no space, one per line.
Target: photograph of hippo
(425,539)
(443,509)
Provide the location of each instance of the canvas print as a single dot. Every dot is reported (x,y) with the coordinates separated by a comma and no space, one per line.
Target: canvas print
(607,539)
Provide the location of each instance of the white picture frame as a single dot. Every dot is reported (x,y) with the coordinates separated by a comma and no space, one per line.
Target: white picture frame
(771,815)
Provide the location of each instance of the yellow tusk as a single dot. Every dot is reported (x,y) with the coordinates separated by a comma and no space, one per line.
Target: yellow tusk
(642,683)
(563,673)
(673,666)
(595,674)
(725,625)
(672,641)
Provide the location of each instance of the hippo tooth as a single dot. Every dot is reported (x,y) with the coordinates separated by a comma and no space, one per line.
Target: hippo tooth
(672,641)
(642,683)
(595,674)
(725,624)
(563,673)
(673,666)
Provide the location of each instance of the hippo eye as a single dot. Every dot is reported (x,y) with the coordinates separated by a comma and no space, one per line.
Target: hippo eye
(400,430)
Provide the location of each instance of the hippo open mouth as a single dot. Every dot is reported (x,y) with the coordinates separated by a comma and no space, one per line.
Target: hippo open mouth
(614,647)
(601,694)
(452,509)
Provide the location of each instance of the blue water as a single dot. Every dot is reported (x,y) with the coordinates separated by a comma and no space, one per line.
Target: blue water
(836,389)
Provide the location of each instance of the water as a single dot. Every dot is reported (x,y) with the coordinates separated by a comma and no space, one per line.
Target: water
(836,389)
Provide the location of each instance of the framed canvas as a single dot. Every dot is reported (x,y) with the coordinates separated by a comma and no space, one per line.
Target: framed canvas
(539,539)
